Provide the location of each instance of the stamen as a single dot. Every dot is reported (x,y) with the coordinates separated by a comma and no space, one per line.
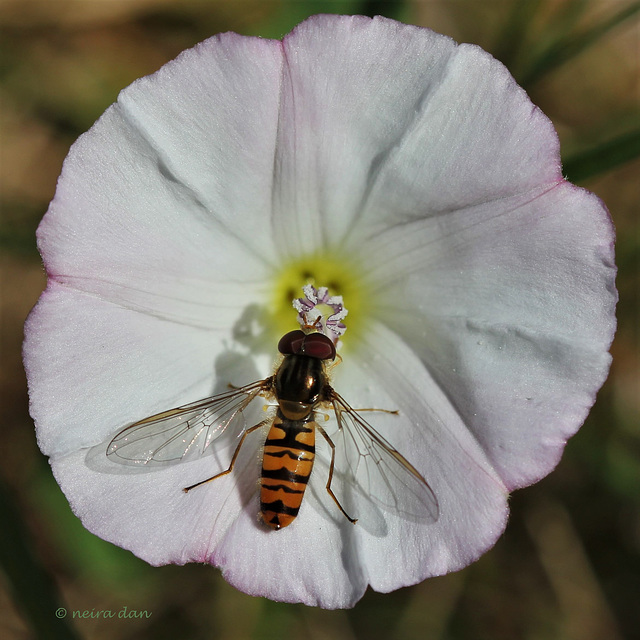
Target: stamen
(328,312)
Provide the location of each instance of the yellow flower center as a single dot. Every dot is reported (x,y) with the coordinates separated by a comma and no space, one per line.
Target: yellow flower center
(342,276)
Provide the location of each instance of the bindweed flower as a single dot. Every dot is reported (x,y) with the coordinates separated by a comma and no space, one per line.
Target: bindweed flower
(405,173)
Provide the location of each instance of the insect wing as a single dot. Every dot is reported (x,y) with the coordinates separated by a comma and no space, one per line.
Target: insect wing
(377,473)
(184,433)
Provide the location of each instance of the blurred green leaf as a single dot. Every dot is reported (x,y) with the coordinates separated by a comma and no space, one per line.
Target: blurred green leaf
(31,584)
(18,224)
(277,615)
(395,9)
(567,17)
(624,469)
(605,156)
(292,12)
(567,46)
(510,41)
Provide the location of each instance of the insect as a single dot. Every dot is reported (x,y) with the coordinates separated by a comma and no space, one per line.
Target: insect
(376,473)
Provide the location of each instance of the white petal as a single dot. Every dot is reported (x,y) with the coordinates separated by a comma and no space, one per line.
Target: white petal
(93,367)
(474,139)
(149,513)
(310,561)
(166,199)
(350,89)
(431,435)
(384,120)
(511,306)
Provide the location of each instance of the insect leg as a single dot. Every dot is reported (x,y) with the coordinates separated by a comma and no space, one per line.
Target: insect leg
(333,459)
(393,412)
(339,406)
(233,459)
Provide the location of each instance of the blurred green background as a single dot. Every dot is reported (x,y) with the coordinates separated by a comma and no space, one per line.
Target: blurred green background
(568,566)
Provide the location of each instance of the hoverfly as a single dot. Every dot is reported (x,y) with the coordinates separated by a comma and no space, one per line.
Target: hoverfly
(300,387)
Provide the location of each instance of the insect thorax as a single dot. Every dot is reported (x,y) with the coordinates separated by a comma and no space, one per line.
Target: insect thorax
(299,384)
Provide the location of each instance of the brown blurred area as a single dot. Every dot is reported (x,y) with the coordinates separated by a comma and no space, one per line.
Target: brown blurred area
(569,561)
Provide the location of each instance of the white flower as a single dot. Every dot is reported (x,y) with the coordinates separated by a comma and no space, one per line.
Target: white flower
(407,174)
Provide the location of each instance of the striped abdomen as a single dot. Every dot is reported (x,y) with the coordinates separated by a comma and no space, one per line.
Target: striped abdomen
(286,466)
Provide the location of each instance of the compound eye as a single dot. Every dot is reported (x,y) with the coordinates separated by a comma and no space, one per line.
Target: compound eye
(317,345)
(292,342)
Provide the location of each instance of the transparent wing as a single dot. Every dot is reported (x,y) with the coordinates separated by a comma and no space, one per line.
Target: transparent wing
(184,433)
(374,472)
